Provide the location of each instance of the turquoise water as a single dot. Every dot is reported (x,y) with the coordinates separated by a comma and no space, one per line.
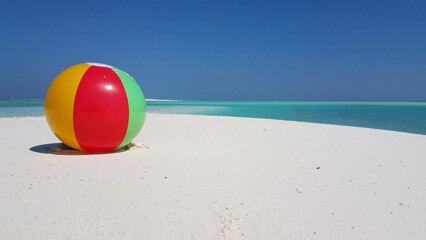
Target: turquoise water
(398,116)
(21,108)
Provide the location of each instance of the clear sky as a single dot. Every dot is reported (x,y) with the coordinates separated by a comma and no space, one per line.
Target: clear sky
(222,49)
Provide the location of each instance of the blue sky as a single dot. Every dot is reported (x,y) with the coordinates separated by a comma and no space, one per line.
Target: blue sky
(225,50)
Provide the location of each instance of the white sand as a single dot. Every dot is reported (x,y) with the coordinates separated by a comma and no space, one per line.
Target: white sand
(199,177)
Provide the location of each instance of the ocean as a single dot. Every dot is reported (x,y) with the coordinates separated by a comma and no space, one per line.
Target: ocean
(396,116)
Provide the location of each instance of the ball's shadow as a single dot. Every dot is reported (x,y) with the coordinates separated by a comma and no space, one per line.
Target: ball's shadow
(56,149)
(62,149)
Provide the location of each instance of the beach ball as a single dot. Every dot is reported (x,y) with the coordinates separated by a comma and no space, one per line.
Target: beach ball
(95,108)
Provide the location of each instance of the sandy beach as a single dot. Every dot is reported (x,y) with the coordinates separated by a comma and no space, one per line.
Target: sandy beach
(204,177)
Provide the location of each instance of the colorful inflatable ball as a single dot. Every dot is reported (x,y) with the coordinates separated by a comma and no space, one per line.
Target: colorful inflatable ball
(95,108)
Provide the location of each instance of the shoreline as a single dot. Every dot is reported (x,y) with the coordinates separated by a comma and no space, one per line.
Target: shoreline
(403,117)
(210,177)
(261,118)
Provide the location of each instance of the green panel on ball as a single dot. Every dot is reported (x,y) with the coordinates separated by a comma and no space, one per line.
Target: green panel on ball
(137,106)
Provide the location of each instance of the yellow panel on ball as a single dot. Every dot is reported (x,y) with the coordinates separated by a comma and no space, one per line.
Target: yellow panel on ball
(59,104)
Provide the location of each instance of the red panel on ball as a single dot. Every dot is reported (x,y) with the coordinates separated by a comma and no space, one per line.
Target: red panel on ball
(101,111)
